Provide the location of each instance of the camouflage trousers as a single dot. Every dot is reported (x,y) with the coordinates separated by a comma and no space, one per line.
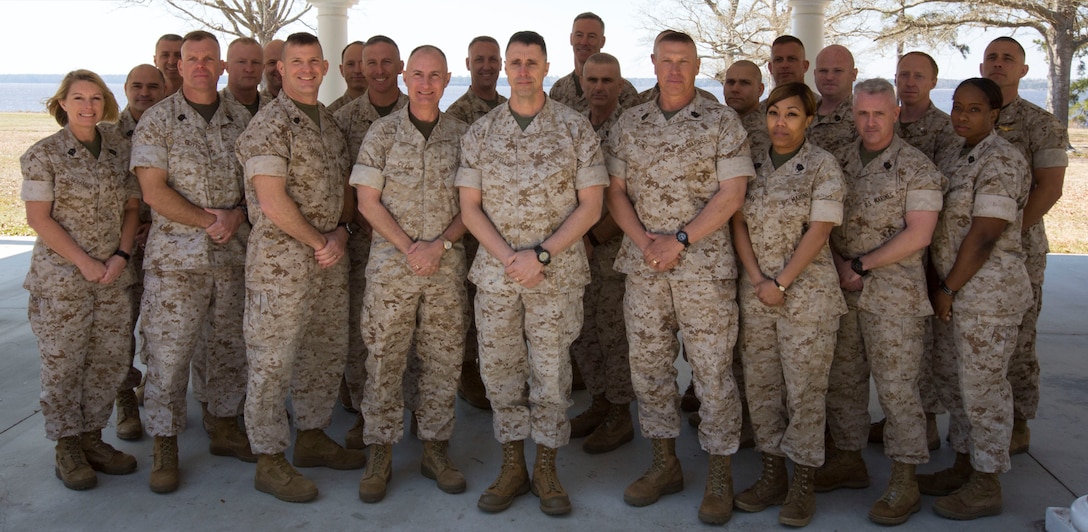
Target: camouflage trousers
(786,359)
(529,386)
(601,350)
(1024,366)
(355,367)
(972,362)
(927,386)
(890,347)
(296,342)
(705,313)
(83,342)
(180,307)
(432,309)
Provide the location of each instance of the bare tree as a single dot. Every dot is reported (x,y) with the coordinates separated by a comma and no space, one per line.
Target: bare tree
(259,19)
(1061,24)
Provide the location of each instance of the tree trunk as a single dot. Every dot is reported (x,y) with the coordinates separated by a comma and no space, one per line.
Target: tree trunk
(1060,59)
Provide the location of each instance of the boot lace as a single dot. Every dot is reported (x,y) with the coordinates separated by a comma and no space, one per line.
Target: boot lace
(547,465)
(718,476)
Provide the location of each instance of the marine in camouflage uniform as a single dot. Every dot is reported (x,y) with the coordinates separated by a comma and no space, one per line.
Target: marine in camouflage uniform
(976,344)
(414,176)
(835,131)
(651,94)
(787,349)
(568,91)
(193,284)
(470,107)
(262,100)
(932,134)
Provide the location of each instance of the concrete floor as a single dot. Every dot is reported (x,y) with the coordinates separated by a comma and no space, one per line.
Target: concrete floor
(217,493)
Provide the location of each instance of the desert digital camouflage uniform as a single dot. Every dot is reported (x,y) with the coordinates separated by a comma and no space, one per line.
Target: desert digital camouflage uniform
(601,349)
(884,328)
(262,99)
(568,91)
(126,127)
(529,182)
(343,100)
(415,177)
(84,329)
(1042,140)
(672,169)
(834,132)
(296,317)
(755,124)
(354,120)
(193,287)
(470,107)
(787,350)
(975,347)
(651,94)
(932,134)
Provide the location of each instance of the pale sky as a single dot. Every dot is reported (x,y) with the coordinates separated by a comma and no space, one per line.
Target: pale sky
(56,36)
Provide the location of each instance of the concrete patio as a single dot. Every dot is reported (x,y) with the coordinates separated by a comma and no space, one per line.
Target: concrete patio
(217,493)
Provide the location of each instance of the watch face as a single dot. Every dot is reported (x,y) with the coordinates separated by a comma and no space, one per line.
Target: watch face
(682,236)
(544,256)
(447,245)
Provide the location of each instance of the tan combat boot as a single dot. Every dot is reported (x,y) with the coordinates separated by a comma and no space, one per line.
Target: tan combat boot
(129,426)
(436,466)
(717,505)
(948,480)
(770,489)
(354,437)
(471,386)
(229,440)
(1021,436)
(72,468)
(278,478)
(103,457)
(843,469)
(314,448)
(616,430)
(379,471)
(800,502)
(900,500)
(664,476)
(164,465)
(513,479)
(585,423)
(980,497)
(545,484)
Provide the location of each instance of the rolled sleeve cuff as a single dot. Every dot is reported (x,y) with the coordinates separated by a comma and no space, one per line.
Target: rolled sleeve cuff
(616,167)
(270,165)
(469,178)
(366,176)
(994,206)
(591,176)
(1050,158)
(36,191)
(148,156)
(826,211)
(924,200)
(735,167)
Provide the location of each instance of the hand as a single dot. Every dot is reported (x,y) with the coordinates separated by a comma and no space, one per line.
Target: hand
(424,258)
(942,305)
(849,280)
(93,270)
(226,224)
(335,243)
(141,234)
(525,269)
(769,294)
(663,252)
(115,266)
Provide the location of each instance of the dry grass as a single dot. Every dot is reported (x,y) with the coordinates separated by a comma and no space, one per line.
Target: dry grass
(1067,223)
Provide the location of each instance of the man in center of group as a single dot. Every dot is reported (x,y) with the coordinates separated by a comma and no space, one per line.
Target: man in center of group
(679,169)
(833,129)
(586,38)
(531,183)
(245,64)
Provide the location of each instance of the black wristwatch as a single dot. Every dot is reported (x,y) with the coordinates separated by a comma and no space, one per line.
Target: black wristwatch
(350,227)
(543,255)
(682,237)
(858,268)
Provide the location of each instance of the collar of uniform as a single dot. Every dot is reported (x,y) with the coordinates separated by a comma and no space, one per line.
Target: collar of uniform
(545,115)
(762,160)
(184,112)
(1010,115)
(883,161)
(73,148)
(694,110)
(298,118)
(840,113)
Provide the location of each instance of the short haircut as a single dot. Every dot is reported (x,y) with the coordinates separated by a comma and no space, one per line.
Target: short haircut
(601,58)
(663,33)
(528,38)
(483,38)
(875,86)
(428,48)
(244,41)
(133,71)
(1019,46)
(170,37)
(110,110)
(932,62)
(350,44)
(591,16)
(787,39)
(789,90)
(989,89)
(382,38)
(750,65)
(197,36)
(302,38)
(675,36)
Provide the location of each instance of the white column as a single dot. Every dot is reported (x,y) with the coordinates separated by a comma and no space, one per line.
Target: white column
(332,30)
(808,25)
